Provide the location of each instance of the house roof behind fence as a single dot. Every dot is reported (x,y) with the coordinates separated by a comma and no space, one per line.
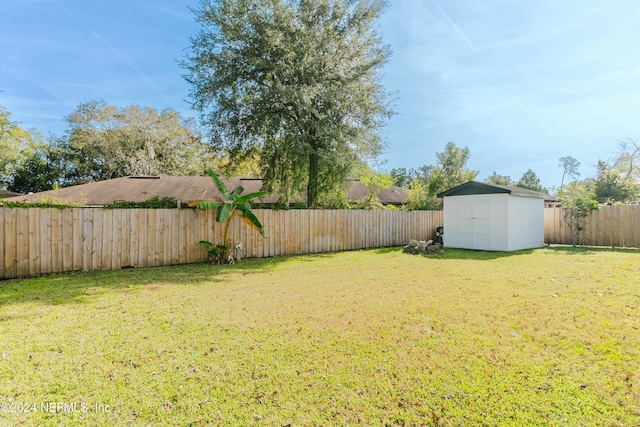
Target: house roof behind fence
(182,188)
(8,193)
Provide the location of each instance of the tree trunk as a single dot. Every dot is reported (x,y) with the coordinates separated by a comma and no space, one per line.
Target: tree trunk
(226,242)
(312,183)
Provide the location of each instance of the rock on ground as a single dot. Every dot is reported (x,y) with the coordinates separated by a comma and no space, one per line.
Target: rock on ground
(423,247)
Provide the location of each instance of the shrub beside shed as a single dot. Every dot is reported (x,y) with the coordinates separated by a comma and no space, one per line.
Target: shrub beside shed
(493,217)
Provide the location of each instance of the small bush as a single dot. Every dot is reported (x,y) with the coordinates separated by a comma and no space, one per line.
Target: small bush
(8,204)
(152,203)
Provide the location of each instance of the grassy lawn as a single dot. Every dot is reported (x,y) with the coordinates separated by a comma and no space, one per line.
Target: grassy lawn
(542,337)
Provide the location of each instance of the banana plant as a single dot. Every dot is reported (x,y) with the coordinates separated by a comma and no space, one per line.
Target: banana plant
(214,252)
(233,203)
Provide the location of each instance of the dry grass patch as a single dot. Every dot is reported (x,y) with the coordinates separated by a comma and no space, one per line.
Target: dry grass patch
(543,337)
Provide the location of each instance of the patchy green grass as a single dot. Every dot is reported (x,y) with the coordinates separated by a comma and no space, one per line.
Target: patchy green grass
(542,337)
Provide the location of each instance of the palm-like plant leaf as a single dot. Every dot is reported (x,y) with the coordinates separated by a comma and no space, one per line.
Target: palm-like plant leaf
(206,244)
(224,212)
(207,204)
(236,193)
(244,199)
(219,184)
(212,251)
(250,218)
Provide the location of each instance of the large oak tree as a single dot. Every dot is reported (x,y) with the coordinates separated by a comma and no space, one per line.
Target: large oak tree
(104,141)
(296,81)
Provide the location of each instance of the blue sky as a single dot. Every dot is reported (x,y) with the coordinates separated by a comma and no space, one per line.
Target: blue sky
(520,82)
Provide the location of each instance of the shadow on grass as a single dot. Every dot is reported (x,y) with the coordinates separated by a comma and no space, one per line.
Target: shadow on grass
(389,250)
(313,256)
(453,253)
(74,287)
(478,255)
(590,250)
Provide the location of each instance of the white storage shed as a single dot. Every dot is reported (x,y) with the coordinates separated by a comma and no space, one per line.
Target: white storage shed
(493,217)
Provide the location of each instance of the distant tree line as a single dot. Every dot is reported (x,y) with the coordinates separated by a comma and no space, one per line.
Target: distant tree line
(617,180)
(101,142)
(450,170)
(427,181)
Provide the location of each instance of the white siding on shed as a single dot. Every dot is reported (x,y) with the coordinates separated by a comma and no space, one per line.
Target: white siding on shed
(526,223)
(493,222)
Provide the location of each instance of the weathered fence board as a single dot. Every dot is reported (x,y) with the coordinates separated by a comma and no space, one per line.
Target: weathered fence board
(615,226)
(10,237)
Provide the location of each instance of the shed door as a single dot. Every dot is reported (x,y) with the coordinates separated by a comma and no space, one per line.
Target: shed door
(475,229)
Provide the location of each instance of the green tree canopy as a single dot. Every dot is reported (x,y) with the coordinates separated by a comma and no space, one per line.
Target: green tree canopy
(576,207)
(16,144)
(402,177)
(429,180)
(451,169)
(496,179)
(374,181)
(610,186)
(296,81)
(418,197)
(40,169)
(569,167)
(105,141)
(530,181)
(627,163)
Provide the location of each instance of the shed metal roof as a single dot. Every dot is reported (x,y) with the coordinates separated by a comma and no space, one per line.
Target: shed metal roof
(475,187)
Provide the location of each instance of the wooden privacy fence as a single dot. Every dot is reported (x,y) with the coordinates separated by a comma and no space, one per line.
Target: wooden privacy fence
(617,226)
(45,240)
